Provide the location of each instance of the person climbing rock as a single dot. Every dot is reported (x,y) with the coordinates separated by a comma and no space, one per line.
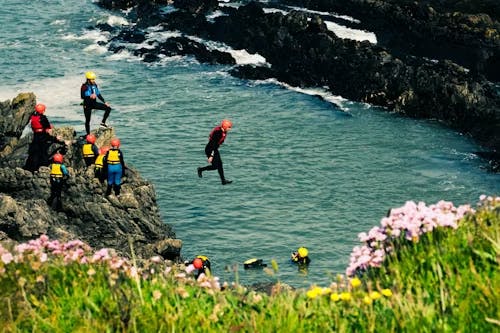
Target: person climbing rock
(301,256)
(115,166)
(99,171)
(90,92)
(90,150)
(215,139)
(38,151)
(58,175)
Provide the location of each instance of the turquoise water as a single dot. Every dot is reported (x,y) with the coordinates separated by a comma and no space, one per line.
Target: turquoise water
(306,172)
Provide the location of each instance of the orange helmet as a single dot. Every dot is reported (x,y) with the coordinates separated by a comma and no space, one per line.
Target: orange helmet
(115,142)
(198,263)
(91,138)
(103,150)
(226,124)
(40,108)
(58,158)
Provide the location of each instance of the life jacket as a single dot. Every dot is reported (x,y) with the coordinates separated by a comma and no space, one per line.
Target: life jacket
(223,136)
(87,150)
(99,162)
(88,89)
(113,156)
(36,122)
(56,170)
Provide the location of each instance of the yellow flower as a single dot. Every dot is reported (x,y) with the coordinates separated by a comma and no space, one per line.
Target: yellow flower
(387,292)
(335,297)
(314,292)
(355,282)
(156,295)
(374,295)
(367,300)
(345,296)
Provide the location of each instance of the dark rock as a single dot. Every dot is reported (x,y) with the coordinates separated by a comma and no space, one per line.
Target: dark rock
(130,221)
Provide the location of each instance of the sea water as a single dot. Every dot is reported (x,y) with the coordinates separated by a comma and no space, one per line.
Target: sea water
(306,172)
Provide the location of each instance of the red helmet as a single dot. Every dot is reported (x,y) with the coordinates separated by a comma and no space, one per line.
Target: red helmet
(103,150)
(115,142)
(198,263)
(91,138)
(58,158)
(226,124)
(40,108)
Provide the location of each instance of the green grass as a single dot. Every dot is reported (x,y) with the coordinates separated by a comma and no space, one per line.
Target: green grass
(446,282)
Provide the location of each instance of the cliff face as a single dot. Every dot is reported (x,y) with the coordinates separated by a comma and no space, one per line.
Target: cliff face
(131,220)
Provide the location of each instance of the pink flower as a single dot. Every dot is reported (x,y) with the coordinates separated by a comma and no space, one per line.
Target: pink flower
(7,258)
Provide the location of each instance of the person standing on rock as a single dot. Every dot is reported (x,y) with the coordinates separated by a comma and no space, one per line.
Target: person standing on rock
(115,165)
(58,175)
(215,139)
(90,150)
(38,151)
(90,92)
(99,171)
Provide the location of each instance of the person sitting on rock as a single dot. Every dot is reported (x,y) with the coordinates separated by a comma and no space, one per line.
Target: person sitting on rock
(58,175)
(115,166)
(90,150)
(99,170)
(38,151)
(301,256)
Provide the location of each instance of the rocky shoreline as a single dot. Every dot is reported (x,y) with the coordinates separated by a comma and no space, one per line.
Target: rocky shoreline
(128,223)
(430,62)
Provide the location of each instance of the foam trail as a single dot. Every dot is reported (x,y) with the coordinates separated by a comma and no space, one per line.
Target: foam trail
(324,94)
(348,33)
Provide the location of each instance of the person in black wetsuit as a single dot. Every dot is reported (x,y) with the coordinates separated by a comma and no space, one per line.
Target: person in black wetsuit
(90,92)
(38,151)
(215,139)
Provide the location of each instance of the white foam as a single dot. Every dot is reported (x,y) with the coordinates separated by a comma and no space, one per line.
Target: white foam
(123,55)
(96,48)
(93,35)
(114,20)
(275,10)
(242,57)
(58,22)
(348,33)
(210,17)
(344,17)
(338,101)
(161,36)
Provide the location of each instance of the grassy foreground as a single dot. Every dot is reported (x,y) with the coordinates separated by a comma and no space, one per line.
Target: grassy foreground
(443,280)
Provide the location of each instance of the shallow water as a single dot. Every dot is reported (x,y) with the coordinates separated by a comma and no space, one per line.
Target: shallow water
(306,172)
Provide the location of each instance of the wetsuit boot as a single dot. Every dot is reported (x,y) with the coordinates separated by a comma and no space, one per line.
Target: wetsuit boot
(108,190)
(117,189)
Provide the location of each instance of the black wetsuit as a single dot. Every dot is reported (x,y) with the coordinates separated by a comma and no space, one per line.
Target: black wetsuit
(216,138)
(90,104)
(38,151)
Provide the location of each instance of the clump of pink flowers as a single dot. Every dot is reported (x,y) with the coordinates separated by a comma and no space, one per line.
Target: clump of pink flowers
(42,249)
(409,223)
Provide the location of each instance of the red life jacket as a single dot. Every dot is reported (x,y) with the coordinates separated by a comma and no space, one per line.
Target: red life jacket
(223,136)
(36,124)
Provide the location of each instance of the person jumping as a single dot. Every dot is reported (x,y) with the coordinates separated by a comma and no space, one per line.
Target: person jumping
(215,139)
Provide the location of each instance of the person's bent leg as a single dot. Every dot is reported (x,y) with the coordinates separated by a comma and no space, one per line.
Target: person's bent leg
(107,110)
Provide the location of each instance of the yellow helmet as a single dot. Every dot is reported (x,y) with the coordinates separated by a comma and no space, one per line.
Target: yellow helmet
(90,75)
(303,252)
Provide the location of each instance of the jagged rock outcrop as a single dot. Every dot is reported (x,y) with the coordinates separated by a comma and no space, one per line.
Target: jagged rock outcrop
(466,32)
(130,220)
